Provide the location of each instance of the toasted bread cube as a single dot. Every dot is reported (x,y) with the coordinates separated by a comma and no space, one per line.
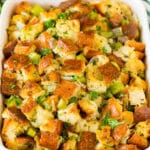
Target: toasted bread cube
(33,113)
(70,114)
(87,142)
(134,66)
(89,52)
(109,72)
(23,7)
(9,48)
(45,62)
(128,117)
(31,89)
(11,129)
(136,96)
(120,132)
(73,67)
(138,140)
(127,147)
(70,144)
(139,46)
(31,31)
(52,14)
(104,136)
(16,62)
(24,48)
(29,72)
(143,128)
(68,29)
(114,107)
(66,48)
(49,140)
(141,113)
(53,126)
(86,39)
(45,41)
(89,107)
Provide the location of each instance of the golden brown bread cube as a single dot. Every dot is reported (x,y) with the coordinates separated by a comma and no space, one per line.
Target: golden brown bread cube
(45,62)
(87,141)
(138,140)
(66,89)
(16,62)
(127,147)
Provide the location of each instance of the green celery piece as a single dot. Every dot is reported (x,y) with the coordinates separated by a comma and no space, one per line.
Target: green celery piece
(50,23)
(94,95)
(116,87)
(36,10)
(73,100)
(107,34)
(31,132)
(46,51)
(34,57)
(13,101)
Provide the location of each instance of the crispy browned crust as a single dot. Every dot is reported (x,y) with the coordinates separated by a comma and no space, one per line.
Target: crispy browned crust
(53,126)
(89,53)
(130,30)
(44,41)
(65,90)
(141,114)
(116,19)
(86,39)
(73,66)
(23,47)
(28,106)
(16,114)
(29,89)
(67,4)
(7,89)
(139,46)
(85,21)
(16,62)
(68,45)
(116,59)
(119,132)
(109,72)
(87,141)
(8,76)
(49,140)
(127,147)
(138,140)
(45,62)
(9,48)
(52,76)
(23,6)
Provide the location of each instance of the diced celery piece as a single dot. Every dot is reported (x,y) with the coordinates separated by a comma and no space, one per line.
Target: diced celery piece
(81,57)
(108,34)
(82,79)
(36,10)
(62,104)
(116,87)
(31,132)
(34,57)
(13,101)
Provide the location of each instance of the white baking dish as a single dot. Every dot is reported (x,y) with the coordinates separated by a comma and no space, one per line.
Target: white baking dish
(136,5)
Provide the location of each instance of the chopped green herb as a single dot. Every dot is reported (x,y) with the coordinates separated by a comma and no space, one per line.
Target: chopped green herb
(116,45)
(104,50)
(66,125)
(41,99)
(74,78)
(104,102)
(73,100)
(64,15)
(13,101)
(45,51)
(94,95)
(47,106)
(107,121)
(50,23)
(130,108)
(12,86)
(120,95)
